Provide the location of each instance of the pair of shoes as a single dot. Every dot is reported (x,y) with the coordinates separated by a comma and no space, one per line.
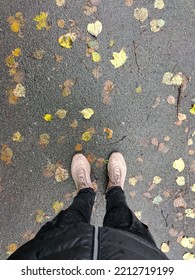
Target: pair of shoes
(80,170)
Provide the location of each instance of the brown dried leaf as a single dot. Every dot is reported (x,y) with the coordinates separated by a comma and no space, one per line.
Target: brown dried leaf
(163,148)
(49,170)
(38,54)
(44,139)
(58,58)
(108,86)
(88,11)
(74,124)
(109,132)
(97,72)
(19,77)
(156,102)
(173,232)
(28,235)
(40,216)
(100,162)
(78,147)
(171,100)
(11,248)
(128,3)
(179,202)
(154,141)
(60,23)
(91,158)
(6,154)
(147,195)
(68,84)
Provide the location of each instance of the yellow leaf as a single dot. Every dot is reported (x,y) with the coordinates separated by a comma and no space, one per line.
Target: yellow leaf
(193,188)
(167,78)
(42,19)
(17,137)
(61,174)
(10,61)
(179,164)
(138,214)
(192,110)
(95,28)
(138,89)
(170,79)
(141,14)
(87,113)
(96,57)
(19,91)
(6,154)
(15,26)
(109,132)
(11,248)
(16,52)
(133,181)
(61,113)
(86,136)
(164,247)
(67,40)
(57,206)
(60,3)
(188,256)
(188,242)
(40,215)
(180,180)
(119,58)
(159,4)
(48,117)
(44,139)
(156,24)
(190,213)
(177,79)
(157,180)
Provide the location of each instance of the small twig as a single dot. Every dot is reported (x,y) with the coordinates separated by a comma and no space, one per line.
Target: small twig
(165,218)
(135,53)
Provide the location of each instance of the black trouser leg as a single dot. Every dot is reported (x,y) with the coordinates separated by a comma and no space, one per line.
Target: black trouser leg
(118,215)
(79,211)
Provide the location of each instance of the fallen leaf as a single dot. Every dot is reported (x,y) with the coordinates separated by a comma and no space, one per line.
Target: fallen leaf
(74,124)
(16,22)
(66,41)
(86,136)
(111,43)
(60,3)
(133,181)
(39,216)
(11,248)
(188,242)
(28,235)
(95,28)
(61,174)
(156,102)
(188,256)
(156,25)
(6,154)
(179,202)
(190,142)
(138,214)
(100,162)
(87,113)
(179,164)
(154,141)
(48,117)
(15,26)
(171,100)
(44,139)
(128,3)
(171,79)
(193,188)
(97,72)
(58,58)
(61,113)
(180,180)
(192,110)
(157,200)
(16,52)
(164,247)
(61,139)
(141,14)
(108,86)
(19,77)
(157,180)
(19,91)
(119,58)
(91,158)
(49,170)
(109,132)
(88,11)
(60,23)
(10,62)
(17,137)
(190,213)
(159,4)
(147,195)
(163,148)
(96,57)
(96,2)
(173,232)
(57,206)
(78,147)
(138,89)
(67,87)
(42,20)
(12,99)
(181,117)
(38,54)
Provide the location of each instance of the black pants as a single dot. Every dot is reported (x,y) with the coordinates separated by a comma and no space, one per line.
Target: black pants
(118,215)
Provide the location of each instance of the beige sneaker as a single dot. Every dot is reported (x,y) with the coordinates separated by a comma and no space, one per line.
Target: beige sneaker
(117,170)
(80,170)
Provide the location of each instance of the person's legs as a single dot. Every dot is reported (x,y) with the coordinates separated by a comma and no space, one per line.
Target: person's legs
(118,215)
